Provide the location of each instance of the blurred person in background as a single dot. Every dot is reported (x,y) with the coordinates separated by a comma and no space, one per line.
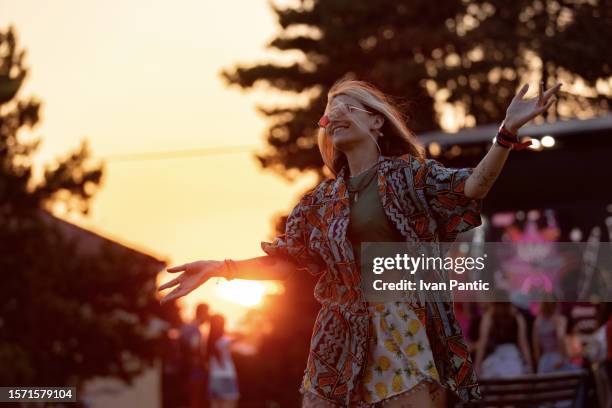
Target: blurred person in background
(366,353)
(191,341)
(549,338)
(503,347)
(222,379)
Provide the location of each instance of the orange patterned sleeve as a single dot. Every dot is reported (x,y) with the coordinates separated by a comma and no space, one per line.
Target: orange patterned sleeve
(444,192)
(293,243)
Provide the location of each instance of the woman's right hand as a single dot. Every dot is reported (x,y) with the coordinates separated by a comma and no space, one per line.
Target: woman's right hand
(194,274)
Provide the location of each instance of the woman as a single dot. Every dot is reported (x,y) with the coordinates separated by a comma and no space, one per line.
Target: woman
(366,144)
(549,338)
(503,336)
(222,381)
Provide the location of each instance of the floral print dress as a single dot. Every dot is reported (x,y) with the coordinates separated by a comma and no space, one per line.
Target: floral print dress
(400,357)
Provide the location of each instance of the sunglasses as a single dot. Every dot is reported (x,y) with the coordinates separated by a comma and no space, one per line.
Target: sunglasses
(324,121)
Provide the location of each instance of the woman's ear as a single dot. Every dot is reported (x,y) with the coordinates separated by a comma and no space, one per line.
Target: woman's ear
(379,121)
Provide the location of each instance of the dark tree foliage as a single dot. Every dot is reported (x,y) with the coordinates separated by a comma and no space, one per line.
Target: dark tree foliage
(478,51)
(66,315)
(382,42)
(501,44)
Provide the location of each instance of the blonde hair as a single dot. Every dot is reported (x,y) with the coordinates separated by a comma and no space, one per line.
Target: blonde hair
(398,139)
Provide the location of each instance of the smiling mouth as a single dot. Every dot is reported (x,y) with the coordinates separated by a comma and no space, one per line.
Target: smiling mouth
(338,127)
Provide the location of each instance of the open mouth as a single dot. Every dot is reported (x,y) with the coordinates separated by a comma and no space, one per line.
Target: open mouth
(338,127)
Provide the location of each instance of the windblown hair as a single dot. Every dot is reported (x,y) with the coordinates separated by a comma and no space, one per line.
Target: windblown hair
(398,139)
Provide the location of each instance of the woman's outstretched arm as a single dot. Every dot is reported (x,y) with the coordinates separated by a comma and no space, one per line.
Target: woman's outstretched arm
(518,113)
(261,268)
(197,273)
(486,172)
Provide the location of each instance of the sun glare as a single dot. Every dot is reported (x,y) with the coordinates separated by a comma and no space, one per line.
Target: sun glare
(246,293)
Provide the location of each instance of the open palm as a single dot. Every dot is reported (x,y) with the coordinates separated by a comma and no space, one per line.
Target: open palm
(522,110)
(194,274)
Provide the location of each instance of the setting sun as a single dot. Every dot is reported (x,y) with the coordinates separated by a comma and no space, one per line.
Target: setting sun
(244,292)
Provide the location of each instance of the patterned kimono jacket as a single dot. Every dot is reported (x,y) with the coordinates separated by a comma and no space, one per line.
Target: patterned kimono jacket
(426,203)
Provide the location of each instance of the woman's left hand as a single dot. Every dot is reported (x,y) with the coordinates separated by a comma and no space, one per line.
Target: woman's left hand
(522,110)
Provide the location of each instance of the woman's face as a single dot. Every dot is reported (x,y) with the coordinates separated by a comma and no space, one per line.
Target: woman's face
(349,123)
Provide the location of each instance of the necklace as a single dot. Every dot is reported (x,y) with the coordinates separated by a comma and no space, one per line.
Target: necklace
(360,186)
(365,171)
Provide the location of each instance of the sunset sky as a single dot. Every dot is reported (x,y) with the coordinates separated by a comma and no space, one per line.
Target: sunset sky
(143,76)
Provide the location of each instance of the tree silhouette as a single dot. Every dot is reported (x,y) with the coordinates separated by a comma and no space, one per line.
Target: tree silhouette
(73,305)
(474,52)
(377,41)
(500,45)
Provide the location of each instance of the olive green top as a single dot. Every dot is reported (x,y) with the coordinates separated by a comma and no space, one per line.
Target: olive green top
(368,221)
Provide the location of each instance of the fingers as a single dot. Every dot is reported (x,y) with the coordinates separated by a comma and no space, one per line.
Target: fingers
(169,284)
(540,93)
(171,296)
(176,293)
(522,91)
(548,105)
(178,268)
(552,91)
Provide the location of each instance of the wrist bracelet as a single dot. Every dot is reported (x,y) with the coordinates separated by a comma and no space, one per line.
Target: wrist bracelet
(509,140)
(501,143)
(511,145)
(504,131)
(230,268)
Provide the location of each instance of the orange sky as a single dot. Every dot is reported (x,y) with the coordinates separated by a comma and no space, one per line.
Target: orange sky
(143,76)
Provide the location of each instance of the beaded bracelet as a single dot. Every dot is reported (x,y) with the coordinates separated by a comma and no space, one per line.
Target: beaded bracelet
(230,268)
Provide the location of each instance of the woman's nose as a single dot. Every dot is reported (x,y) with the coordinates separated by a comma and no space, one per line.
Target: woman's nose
(337,112)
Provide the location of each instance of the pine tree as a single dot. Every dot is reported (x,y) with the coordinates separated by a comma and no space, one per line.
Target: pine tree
(501,44)
(477,52)
(384,42)
(66,315)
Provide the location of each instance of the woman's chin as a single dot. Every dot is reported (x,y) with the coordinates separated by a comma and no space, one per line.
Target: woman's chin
(343,139)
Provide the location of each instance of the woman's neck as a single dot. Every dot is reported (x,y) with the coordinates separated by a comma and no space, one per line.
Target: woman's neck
(360,160)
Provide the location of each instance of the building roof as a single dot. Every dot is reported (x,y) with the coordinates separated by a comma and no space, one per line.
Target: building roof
(485,133)
(89,242)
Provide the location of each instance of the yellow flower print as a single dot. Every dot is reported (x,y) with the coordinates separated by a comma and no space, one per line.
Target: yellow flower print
(384,363)
(381,390)
(412,368)
(432,371)
(398,383)
(413,327)
(397,336)
(384,326)
(413,349)
(392,347)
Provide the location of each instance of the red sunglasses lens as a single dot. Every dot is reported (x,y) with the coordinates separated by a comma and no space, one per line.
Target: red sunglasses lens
(324,121)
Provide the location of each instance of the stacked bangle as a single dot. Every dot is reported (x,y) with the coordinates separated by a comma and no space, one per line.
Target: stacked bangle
(230,269)
(509,140)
